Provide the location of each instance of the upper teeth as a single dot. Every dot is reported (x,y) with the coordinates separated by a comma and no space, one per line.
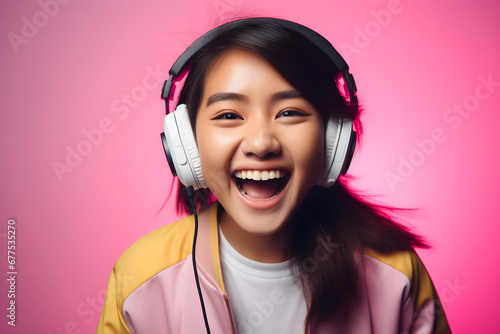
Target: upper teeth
(258,175)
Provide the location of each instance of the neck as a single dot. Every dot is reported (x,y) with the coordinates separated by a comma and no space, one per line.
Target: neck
(273,248)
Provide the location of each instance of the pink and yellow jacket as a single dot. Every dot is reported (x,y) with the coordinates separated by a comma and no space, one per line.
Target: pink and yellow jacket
(152,289)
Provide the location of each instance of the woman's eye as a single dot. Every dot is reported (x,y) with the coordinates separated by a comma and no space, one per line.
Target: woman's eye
(228,116)
(290,113)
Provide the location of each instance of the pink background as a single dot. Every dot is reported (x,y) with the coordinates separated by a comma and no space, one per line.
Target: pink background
(78,66)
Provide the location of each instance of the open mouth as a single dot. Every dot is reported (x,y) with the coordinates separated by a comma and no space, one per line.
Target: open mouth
(261,185)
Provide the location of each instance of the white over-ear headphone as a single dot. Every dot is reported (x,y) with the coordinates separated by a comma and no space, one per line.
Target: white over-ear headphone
(181,148)
(179,141)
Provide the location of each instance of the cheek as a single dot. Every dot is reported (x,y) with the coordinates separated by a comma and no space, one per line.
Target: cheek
(214,157)
(309,152)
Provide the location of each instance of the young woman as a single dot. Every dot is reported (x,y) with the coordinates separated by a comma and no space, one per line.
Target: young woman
(282,245)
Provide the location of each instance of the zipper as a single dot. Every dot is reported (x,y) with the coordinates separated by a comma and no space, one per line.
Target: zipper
(230,313)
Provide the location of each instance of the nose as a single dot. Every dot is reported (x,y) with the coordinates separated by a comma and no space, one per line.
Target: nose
(261,143)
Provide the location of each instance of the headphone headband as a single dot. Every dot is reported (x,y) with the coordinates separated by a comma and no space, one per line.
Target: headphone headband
(308,33)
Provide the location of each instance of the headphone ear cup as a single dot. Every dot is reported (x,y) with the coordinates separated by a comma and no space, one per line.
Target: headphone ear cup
(181,148)
(339,148)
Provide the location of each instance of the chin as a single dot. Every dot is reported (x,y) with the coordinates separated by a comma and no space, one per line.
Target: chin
(262,222)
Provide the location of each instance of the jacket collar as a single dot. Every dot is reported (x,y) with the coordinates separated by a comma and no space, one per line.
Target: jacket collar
(207,244)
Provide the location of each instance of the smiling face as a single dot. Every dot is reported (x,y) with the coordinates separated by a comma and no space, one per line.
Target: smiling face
(261,144)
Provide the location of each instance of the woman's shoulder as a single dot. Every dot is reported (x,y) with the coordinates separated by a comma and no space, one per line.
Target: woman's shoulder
(404,261)
(401,266)
(157,250)
(403,272)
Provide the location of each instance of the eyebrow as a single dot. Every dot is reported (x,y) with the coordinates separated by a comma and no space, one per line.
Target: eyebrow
(286,95)
(227,96)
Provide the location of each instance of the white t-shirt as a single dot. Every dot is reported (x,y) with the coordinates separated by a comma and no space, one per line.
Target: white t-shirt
(264,297)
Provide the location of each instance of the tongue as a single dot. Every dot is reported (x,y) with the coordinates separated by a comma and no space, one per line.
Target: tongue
(260,189)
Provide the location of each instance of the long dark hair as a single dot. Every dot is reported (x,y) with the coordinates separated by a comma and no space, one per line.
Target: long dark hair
(333,221)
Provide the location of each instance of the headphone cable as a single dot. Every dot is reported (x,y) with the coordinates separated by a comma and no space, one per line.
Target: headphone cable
(189,192)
